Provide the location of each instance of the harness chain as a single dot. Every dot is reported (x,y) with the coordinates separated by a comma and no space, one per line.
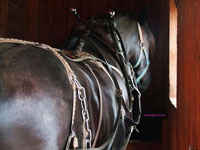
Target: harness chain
(119,115)
(85,115)
(75,85)
(118,91)
(120,100)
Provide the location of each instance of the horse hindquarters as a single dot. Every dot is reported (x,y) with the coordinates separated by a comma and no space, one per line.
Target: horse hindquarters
(37,128)
(34,99)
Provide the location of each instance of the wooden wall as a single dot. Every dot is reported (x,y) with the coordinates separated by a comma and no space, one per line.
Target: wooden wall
(49,21)
(181,130)
(3,17)
(169,127)
(188,112)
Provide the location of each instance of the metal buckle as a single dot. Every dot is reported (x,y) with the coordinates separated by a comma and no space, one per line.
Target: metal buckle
(119,93)
(142,45)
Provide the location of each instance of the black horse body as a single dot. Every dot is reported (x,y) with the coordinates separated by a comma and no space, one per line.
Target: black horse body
(36,96)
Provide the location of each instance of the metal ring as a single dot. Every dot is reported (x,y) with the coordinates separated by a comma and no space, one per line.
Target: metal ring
(141,45)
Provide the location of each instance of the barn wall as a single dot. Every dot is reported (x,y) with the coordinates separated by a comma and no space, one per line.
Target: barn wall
(49,21)
(169,127)
(181,130)
(3,16)
(188,112)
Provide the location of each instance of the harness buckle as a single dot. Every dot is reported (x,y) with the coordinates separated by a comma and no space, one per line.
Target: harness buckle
(119,93)
(142,45)
(74,11)
(111,13)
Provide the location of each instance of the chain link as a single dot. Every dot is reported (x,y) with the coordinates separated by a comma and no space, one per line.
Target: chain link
(85,114)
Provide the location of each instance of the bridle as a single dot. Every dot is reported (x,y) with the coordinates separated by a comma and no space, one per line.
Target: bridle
(127,70)
(142,50)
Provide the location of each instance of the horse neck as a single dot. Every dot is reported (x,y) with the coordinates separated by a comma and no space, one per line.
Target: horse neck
(98,47)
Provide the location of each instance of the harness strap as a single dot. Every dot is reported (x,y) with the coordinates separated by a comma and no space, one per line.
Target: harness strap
(100,106)
(145,69)
(129,132)
(123,61)
(118,95)
(119,99)
(137,104)
(72,134)
(114,131)
(98,34)
(142,51)
(141,45)
(92,57)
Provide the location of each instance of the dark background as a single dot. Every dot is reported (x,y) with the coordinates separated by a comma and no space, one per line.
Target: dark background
(50,22)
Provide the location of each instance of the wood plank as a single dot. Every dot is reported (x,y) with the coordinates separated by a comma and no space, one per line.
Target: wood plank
(169,133)
(46,21)
(31,28)
(114,4)
(180,82)
(60,21)
(142,145)
(153,98)
(15,20)
(188,75)
(129,6)
(3,17)
(87,9)
(18,2)
(100,7)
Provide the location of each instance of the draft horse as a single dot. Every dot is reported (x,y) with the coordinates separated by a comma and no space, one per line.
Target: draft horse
(85,97)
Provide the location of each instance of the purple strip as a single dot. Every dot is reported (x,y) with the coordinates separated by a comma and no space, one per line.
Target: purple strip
(154,115)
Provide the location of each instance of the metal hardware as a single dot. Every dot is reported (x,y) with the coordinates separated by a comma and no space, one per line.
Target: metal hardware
(85,114)
(119,93)
(74,11)
(111,13)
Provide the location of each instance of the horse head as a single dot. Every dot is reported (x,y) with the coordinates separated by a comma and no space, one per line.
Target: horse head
(139,43)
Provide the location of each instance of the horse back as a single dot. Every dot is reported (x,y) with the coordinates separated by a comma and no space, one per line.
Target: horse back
(34,102)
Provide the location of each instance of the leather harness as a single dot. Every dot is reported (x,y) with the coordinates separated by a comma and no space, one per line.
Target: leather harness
(117,48)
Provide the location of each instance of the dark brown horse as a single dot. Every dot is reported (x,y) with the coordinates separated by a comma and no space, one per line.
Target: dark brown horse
(49,102)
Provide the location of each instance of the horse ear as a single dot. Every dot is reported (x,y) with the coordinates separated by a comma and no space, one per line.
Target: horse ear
(143,16)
